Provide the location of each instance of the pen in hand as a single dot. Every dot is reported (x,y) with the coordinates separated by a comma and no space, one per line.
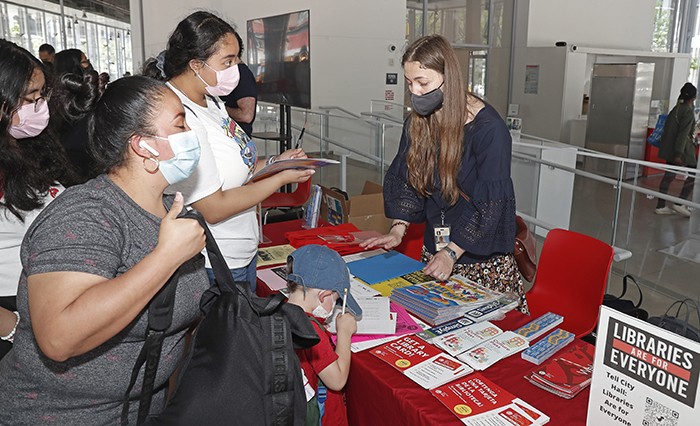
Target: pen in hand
(345,300)
(299,139)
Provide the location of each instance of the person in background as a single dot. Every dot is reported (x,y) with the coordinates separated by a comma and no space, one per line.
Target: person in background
(677,148)
(199,64)
(95,258)
(452,171)
(31,169)
(241,104)
(318,280)
(70,61)
(46,55)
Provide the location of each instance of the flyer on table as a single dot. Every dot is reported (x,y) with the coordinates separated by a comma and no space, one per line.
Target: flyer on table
(642,374)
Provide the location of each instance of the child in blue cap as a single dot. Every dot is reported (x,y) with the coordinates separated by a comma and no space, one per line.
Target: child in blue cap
(318,279)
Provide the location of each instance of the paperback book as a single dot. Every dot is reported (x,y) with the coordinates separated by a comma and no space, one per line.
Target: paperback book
(386,287)
(421,362)
(294,164)
(490,352)
(548,346)
(437,302)
(466,338)
(539,326)
(477,401)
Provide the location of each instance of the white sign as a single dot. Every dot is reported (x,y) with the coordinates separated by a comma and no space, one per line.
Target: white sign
(642,375)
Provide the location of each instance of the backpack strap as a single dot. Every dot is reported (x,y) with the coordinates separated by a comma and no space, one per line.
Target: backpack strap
(160,315)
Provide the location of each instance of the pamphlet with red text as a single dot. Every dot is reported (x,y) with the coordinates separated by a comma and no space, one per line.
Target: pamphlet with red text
(477,401)
(421,362)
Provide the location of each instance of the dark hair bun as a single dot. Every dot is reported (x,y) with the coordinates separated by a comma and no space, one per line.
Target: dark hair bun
(688,91)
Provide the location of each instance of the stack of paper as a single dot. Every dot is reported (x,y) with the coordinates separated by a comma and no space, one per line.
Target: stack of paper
(376,316)
(567,374)
(486,354)
(437,302)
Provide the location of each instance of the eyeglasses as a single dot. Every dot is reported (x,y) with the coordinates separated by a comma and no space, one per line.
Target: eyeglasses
(38,102)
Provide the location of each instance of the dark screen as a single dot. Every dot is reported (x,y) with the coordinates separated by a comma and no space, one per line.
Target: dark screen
(278,56)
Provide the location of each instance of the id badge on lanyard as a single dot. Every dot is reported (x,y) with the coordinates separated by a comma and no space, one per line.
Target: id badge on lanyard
(441,233)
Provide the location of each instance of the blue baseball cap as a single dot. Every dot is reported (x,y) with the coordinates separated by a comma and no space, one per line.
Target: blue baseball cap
(316,266)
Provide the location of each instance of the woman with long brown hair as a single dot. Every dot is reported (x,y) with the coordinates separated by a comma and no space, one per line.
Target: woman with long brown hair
(452,171)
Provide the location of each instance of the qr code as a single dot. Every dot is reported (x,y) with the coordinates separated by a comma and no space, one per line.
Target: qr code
(657,414)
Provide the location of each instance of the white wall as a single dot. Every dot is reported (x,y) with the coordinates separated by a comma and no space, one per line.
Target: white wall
(616,24)
(349,41)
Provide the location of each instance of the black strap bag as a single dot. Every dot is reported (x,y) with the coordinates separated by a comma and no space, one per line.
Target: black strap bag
(242,368)
(626,306)
(676,324)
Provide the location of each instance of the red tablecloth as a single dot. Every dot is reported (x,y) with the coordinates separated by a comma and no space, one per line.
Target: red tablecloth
(378,394)
(375,391)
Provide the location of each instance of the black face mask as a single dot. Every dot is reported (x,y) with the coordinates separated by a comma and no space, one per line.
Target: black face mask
(427,104)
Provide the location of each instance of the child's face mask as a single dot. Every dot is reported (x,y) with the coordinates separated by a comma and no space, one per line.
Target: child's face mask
(321,312)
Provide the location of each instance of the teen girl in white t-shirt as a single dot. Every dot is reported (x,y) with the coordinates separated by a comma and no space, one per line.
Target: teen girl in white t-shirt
(200,65)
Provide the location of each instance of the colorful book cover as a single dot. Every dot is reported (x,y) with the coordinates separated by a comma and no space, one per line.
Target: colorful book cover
(539,326)
(548,346)
(466,338)
(384,266)
(386,287)
(437,371)
(458,291)
(405,352)
(449,327)
(492,351)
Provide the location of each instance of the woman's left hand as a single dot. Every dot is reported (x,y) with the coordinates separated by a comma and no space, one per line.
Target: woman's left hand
(292,153)
(440,266)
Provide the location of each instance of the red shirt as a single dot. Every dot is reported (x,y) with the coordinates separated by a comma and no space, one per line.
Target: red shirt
(313,361)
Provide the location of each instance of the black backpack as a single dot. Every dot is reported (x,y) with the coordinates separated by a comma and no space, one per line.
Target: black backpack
(242,368)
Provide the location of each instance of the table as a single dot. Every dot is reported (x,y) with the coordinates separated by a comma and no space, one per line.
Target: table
(378,394)
(375,391)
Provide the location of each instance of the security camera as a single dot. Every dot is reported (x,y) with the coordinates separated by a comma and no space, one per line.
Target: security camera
(392,48)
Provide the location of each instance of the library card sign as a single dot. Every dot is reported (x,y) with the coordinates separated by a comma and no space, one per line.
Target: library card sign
(642,374)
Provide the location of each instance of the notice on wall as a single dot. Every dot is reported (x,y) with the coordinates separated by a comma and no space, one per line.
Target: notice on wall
(642,375)
(532,79)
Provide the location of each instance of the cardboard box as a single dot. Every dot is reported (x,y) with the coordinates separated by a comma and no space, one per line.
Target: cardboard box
(366,211)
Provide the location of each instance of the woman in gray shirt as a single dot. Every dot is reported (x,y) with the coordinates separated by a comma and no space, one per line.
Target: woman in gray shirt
(93,260)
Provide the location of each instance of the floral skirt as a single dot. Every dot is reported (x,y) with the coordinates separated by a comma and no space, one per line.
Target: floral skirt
(500,273)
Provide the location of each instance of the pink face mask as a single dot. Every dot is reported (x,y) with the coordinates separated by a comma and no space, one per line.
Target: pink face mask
(33,119)
(226,80)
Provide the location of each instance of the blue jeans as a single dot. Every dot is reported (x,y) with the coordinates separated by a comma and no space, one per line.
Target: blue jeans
(244,273)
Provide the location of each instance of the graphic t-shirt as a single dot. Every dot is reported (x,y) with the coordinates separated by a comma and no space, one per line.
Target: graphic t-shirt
(228,160)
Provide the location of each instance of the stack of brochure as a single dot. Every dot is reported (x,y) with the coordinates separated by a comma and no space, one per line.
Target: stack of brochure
(548,346)
(568,373)
(436,302)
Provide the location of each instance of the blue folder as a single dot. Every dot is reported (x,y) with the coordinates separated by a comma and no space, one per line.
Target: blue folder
(384,266)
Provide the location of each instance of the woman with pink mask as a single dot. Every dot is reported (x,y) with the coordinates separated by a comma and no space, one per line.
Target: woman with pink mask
(31,168)
(199,64)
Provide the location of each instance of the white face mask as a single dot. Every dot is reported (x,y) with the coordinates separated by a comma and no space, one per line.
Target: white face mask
(321,312)
(226,80)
